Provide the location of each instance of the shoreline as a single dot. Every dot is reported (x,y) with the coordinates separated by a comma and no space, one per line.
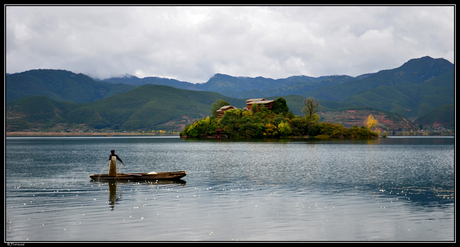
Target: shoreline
(107,134)
(110,134)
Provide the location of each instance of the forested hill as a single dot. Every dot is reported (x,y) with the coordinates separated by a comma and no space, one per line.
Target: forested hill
(60,85)
(149,107)
(415,71)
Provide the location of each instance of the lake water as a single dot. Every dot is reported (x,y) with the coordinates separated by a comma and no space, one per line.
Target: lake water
(388,189)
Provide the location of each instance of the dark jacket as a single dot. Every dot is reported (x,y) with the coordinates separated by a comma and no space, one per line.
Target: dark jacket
(118,158)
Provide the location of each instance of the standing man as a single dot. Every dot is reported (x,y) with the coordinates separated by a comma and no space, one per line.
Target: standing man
(113,163)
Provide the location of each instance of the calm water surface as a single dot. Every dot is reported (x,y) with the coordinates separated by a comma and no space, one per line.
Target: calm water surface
(393,189)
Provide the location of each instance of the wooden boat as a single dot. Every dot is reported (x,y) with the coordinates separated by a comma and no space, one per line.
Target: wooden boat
(141,176)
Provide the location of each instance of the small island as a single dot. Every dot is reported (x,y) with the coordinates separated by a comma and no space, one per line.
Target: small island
(271,119)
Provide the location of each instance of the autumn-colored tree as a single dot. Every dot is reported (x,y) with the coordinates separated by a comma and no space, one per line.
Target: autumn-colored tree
(270,130)
(372,122)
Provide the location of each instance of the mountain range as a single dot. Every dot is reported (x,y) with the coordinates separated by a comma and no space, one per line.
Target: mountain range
(412,90)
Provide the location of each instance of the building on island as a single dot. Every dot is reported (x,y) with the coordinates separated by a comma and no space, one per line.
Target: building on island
(220,112)
(267,103)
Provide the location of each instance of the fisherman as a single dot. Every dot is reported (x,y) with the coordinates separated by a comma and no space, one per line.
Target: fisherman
(113,163)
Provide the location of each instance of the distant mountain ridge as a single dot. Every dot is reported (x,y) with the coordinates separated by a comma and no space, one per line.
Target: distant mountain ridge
(239,87)
(415,70)
(333,88)
(136,81)
(60,85)
(417,87)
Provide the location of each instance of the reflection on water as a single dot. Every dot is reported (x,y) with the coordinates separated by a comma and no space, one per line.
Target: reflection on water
(115,196)
(389,189)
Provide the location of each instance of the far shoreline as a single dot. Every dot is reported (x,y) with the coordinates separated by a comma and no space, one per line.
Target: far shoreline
(111,134)
(106,134)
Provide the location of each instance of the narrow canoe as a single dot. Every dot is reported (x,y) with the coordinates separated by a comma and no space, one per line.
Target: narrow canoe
(140,176)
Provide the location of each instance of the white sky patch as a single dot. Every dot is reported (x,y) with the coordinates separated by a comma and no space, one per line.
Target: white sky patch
(192,43)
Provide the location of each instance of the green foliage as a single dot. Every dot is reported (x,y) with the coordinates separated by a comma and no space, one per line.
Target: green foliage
(280,106)
(284,129)
(338,131)
(234,113)
(255,107)
(298,126)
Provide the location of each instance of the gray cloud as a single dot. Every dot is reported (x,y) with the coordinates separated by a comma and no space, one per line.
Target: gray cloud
(193,43)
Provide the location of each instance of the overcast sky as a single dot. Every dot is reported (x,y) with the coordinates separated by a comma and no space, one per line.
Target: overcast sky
(193,43)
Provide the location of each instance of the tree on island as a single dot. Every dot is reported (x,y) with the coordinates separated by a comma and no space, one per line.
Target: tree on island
(217,105)
(310,109)
(372,122)
(280,106)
